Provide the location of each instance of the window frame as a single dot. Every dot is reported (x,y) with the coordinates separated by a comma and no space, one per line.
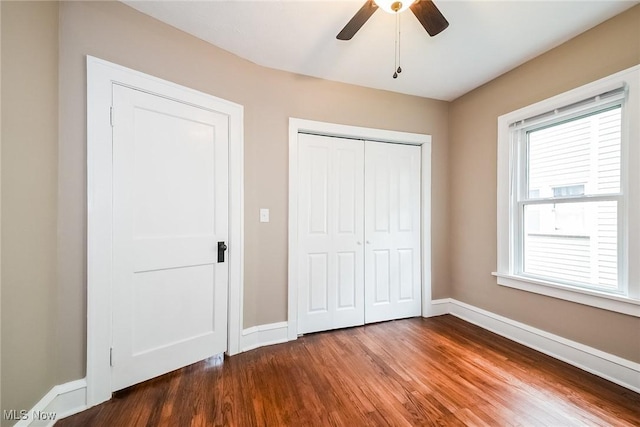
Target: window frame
(521,199)
(512,154)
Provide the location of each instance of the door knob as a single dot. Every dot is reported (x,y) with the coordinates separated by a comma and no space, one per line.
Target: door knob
(221,249)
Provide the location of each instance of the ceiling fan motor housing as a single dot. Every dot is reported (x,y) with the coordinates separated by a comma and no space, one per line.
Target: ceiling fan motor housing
(394,6)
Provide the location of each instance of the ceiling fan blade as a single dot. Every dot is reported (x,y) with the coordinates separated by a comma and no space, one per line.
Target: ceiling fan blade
(357,21)
(429,16)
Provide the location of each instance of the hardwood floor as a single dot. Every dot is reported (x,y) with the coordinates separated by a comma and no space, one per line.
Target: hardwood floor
(437,371)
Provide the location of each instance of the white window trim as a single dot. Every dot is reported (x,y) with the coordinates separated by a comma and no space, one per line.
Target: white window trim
(506,228)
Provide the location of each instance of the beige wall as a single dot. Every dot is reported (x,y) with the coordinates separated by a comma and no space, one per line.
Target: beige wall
(29,191)
(117,33)
(0,208)
(610,47)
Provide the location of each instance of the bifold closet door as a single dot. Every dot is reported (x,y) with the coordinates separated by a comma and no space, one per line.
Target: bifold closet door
(392,232)
(330,233)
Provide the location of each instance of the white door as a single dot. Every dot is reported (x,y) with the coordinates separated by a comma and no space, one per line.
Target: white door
(170,197)
(354,192)
(330,233)
(392,232)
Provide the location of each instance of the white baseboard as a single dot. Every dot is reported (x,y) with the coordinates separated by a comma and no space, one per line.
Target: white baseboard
(608,366)
(61,401)
(262,335)
(438,307)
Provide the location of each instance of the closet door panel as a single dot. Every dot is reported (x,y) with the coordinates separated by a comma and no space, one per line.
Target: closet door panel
(330,233)
(381,278)
(346,281)
(392,231)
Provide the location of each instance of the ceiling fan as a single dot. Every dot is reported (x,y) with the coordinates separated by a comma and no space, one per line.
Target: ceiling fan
(427,13)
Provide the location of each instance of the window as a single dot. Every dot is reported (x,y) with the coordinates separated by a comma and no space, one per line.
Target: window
(573,164)
(568,190)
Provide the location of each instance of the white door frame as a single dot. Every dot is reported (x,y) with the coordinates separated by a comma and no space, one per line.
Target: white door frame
(101,75)
(297,126)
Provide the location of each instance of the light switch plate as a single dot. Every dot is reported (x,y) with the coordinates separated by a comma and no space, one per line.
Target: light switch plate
(264,215)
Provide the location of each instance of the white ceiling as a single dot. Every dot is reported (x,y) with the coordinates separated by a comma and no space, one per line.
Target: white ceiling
(484,38)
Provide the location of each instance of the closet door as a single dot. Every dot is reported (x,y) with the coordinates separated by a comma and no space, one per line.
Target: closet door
(392,231)
(330,233)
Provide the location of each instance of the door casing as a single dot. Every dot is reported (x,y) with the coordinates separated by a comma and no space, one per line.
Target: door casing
(101,75)
(297,126)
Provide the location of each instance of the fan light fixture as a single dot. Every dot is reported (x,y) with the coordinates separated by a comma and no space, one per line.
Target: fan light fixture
(427,13)
(394,6)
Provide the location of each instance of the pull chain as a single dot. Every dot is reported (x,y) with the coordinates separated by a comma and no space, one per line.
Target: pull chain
(397,68)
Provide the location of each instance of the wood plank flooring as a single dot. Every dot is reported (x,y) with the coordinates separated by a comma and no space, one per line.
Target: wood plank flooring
(437,371)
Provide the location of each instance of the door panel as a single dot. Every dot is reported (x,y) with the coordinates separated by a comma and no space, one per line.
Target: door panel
(317,190)
(173,166)
(170,198)
(392,230)
(348,192)
(406,288)
(184,310)
(330,233)
(381,212)
(346,281)
(318,283)
(382,281)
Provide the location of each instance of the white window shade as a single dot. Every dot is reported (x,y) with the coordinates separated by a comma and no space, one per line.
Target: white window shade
(615,92)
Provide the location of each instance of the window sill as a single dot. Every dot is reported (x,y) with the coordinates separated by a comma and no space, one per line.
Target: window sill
(601,300)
